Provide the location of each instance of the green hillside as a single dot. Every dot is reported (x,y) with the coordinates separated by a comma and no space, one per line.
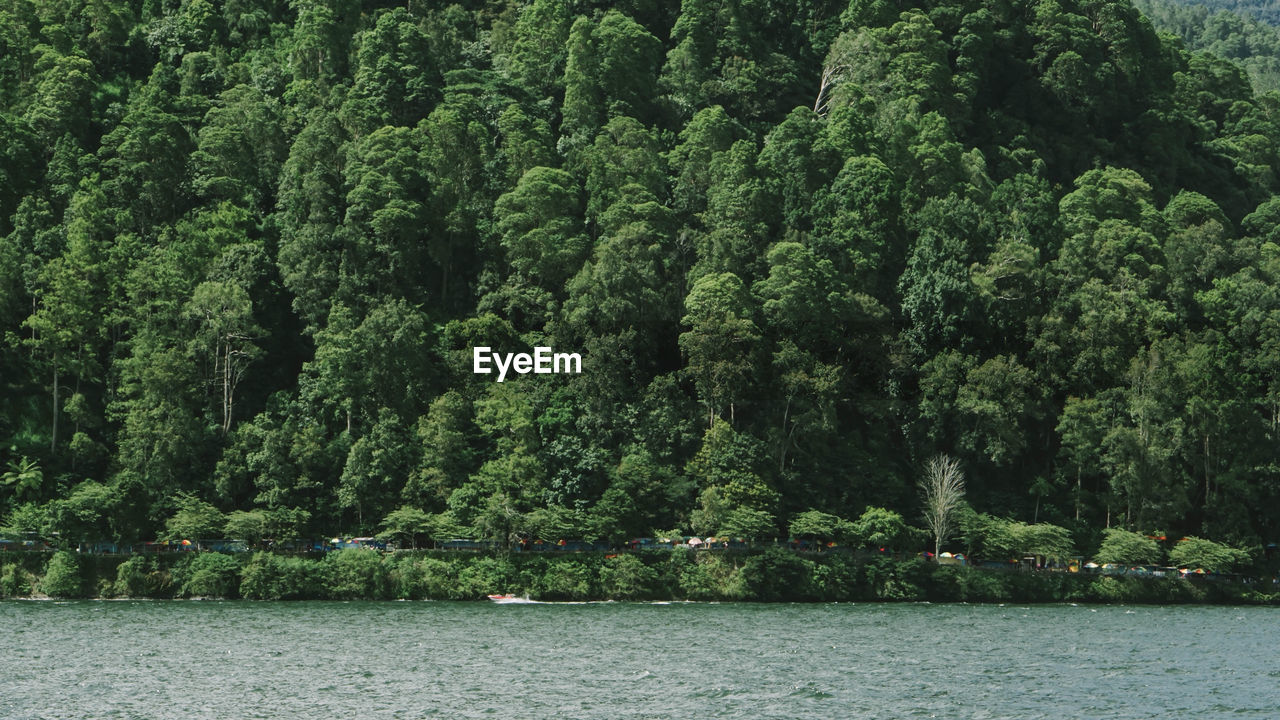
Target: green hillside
(247,249)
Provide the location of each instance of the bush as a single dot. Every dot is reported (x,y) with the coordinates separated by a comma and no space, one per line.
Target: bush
(706,576)
(484,576)
(778,575)
(63,577)
(887,579)
(14,581)
(141,577)
(207,575)
(836,579)
(272,577)
(424,578)
(355,574)
(563,581)
(962,584)
(626,577)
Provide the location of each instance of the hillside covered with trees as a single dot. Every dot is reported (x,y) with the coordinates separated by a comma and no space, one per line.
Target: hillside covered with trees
(1241,38)
(246,249)
(1267,11)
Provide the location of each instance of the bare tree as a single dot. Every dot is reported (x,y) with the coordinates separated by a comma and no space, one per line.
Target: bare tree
(836,69)
(943,489)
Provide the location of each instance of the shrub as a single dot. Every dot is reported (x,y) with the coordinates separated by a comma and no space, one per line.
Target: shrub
(778,575)
(140,577)
(836,579)
(272,577)
(355,574)
(63,578)
(484,576)
(626,577)
(14,581)
(709,576)
(423,578)
(207,575)
(887,579)
(563,581)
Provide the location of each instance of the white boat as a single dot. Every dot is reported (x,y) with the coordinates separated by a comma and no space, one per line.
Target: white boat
(509,599)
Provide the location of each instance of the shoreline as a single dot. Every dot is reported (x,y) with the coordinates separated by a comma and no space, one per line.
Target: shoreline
(652,576)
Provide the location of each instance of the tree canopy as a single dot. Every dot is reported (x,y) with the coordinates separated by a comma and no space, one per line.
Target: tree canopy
(246,250)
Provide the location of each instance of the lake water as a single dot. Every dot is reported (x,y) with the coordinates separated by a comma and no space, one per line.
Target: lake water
(150,660)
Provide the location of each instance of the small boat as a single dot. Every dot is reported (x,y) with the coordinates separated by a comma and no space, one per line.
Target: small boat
(510,599)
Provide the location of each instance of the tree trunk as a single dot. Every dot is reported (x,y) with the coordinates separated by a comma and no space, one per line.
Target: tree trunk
(1206,471)
(53,442)
(226,389)
(1079,491)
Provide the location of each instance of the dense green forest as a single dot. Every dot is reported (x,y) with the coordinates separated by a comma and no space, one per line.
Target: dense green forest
(1268,11)
(246,249)
(1250,43)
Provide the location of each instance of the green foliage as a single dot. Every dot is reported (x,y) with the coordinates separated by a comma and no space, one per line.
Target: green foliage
(627,577)
(273,577)
(705,576)
(23,477)
(247,526)
(1199,554)
(1004,540)
(1127,548)
(824,526)
(878,527)
(14,581)
(355,574)
(774,574)
(744,522)
(208,574)
(484,576)
(407,525)
(889,580)
(561,581)
(245,253)
(419,578)
(141,577)
(64,577)
(194,520)
(777,575)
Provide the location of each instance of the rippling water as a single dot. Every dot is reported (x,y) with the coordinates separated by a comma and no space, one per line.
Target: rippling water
(149,660)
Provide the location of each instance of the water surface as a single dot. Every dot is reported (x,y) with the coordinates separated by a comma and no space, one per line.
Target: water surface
(198,660)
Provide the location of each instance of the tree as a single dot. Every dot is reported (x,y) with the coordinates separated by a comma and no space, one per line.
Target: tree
(66,326)
(821,526)
(748,523)
(225,337)
(538,53)
(311,206)
(942,488)
(247,526)
(240,149)
(407,523)
(89,513)
(395,80)
(1207,555)
(195,519)
(879,527)
(25,477)
(629,57)
(540,227)
(1122,547)
(719,342)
